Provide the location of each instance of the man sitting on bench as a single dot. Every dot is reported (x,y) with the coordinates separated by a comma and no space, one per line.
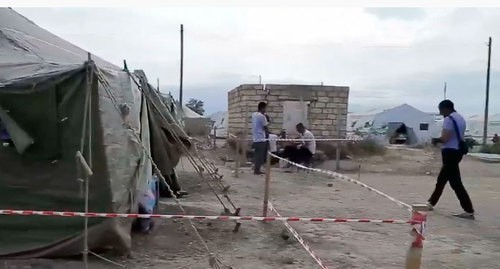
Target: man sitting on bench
(302,152)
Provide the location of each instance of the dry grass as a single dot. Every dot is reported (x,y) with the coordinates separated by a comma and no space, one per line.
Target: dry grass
(491,149)
(367,147)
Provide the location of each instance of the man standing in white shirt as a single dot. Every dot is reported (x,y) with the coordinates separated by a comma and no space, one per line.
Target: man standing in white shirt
(259,135)
(308,147)
(303,152)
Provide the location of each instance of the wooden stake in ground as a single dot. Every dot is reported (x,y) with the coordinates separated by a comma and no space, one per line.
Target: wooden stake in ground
(268,183)
(337,150)
(414,254)
(215,137)
(237,157)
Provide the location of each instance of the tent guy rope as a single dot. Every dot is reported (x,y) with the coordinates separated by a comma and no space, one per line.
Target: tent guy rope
(336,175)
(213,261)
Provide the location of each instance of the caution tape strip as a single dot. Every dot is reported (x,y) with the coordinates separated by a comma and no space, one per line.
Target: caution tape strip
(300,139)
(348,179)
(198,217)
(299,239)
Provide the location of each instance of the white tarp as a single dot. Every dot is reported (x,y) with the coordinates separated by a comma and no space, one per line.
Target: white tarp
(220,124)
(410,116)
(194,123)
(189,113)
(475,125)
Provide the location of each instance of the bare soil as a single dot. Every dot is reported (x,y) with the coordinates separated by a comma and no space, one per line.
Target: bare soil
(408,175)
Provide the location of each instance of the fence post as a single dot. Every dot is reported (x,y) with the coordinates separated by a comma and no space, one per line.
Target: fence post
(268,183)
(337,150)
(414,254)
(215,137)
(237,157)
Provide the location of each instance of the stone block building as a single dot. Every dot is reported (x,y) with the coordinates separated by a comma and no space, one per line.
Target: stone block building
(322,109)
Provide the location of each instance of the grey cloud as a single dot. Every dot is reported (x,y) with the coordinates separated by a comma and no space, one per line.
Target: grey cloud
(398,13)
(415,51)
(424,91)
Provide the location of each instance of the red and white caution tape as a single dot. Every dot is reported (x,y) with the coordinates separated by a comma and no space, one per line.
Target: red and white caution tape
(197,217)
(298,139)
(299,239)
(302,140)
(348,179)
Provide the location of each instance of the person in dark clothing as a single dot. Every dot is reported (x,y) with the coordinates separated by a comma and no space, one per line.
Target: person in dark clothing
(451,141)
(495,139)
(303,152)
(172,181)
(4,135)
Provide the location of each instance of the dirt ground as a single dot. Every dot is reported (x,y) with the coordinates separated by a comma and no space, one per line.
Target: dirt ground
(408,175)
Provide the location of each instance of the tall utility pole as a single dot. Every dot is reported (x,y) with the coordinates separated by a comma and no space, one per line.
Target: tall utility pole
(182,65)
(485,127)
(444,90)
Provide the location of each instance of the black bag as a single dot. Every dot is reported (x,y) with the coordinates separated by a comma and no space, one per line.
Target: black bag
(462,146)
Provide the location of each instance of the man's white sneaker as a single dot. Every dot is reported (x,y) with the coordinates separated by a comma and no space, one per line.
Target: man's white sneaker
(430,207)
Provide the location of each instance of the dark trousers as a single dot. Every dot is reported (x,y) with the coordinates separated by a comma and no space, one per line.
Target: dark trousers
(297,155)
(259,155)
(451,172)
(171,180)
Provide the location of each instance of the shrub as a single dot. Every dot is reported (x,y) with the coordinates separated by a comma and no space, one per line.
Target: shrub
(329,149)
(366,147)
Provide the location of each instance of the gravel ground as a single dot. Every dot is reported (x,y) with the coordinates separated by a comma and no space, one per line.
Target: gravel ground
(408,175)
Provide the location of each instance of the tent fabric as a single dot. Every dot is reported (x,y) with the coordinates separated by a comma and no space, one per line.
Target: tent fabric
(194,123)
(14,132)
(164,129)
(475,125)
(27,50)
(189,113)
(220,124)
(43,89)
(410,116)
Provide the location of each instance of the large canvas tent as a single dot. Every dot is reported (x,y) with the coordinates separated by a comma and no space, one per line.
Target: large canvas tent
(420,126)
(54,101)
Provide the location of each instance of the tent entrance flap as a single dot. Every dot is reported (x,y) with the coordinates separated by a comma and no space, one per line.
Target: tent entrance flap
(14,132)
(400,133)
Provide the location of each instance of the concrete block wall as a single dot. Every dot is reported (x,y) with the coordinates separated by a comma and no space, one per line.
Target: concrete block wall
(328,105)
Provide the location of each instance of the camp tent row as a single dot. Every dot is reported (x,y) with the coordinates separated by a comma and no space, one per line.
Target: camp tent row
(55,101)
(420,126)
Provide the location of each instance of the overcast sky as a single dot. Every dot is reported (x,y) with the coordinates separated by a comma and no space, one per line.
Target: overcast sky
(387,56)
